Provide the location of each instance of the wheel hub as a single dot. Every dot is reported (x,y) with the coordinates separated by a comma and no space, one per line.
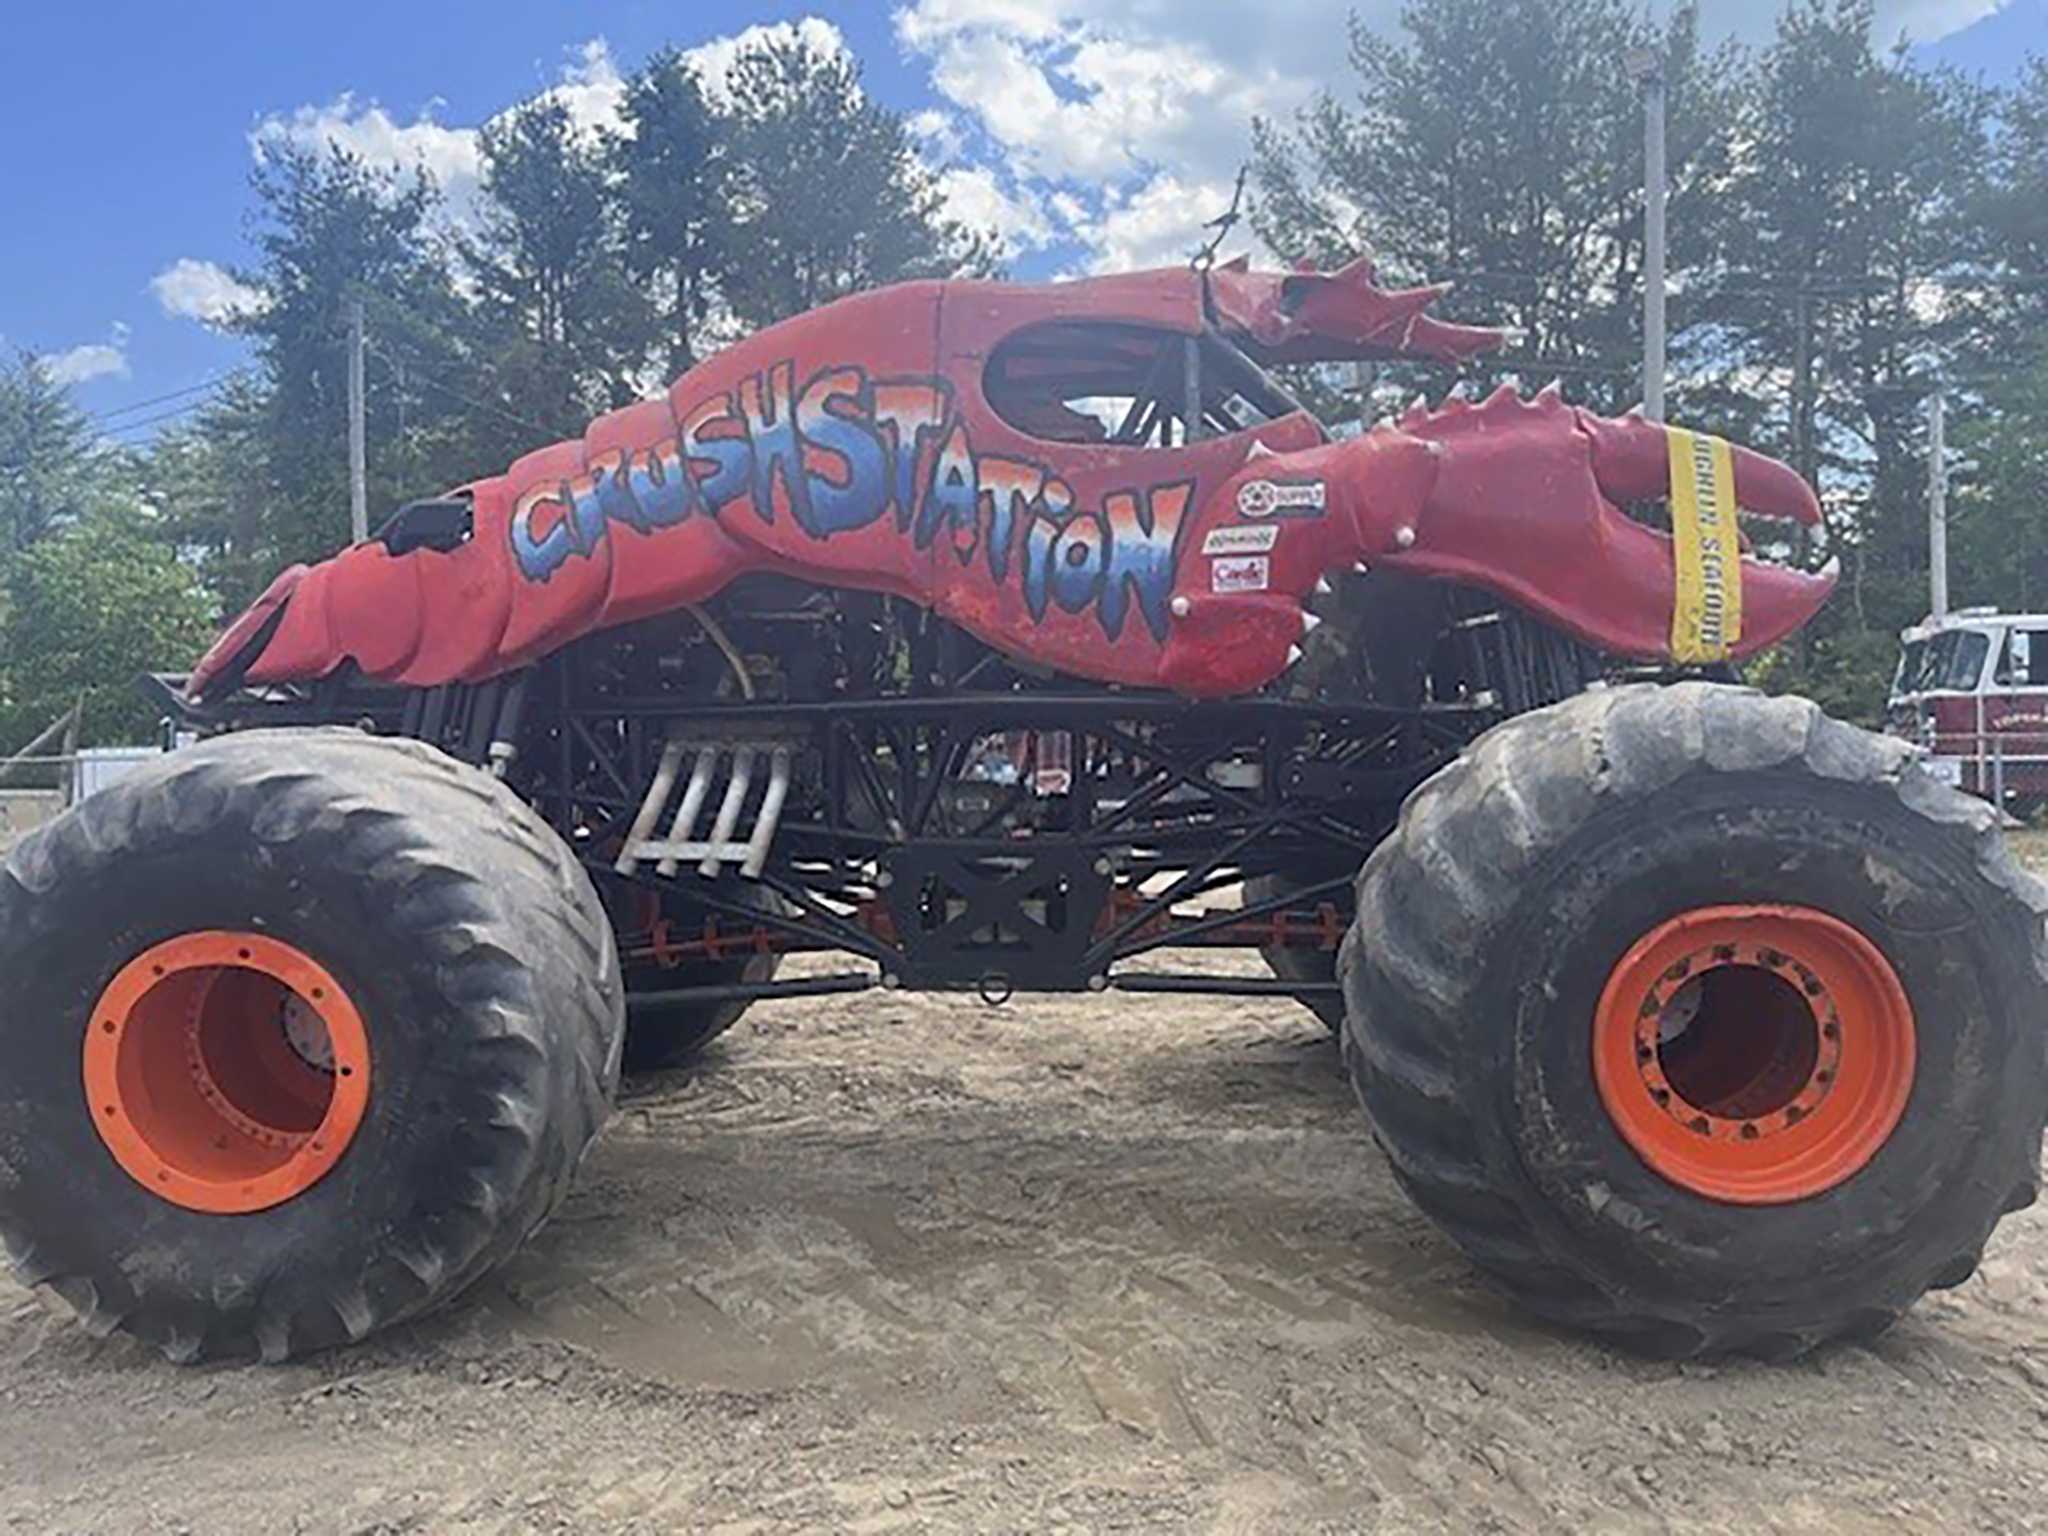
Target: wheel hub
(227,1072)
(1755,1055)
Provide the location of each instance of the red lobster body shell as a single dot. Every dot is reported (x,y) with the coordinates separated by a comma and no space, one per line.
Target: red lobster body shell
(857,446)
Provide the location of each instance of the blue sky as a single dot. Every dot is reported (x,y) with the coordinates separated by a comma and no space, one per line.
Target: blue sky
(1093,133)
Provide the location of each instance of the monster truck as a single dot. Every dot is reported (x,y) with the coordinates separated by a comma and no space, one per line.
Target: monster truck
(994,637)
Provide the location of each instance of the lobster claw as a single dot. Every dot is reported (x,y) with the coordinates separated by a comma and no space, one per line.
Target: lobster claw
(1526,502)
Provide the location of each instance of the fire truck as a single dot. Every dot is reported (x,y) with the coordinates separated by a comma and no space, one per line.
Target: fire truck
(1972,688)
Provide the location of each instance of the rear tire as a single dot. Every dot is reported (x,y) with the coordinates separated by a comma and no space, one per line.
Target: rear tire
(1499,925)
(1295,962)
(673,1034)
(467,942)
(662,1035)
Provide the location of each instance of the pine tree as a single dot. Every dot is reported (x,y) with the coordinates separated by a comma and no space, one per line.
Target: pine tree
(50,466)
(1498,143)
(674,191)
(566,332)
(828,197)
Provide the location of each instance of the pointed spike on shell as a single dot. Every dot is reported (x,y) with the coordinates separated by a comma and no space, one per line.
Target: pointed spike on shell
(1293,654)
(1258,450)
(1323,587)
(1503,394)
(1416,413)
(1309,622)
(1551,393)
(1359,567)
(1833,569)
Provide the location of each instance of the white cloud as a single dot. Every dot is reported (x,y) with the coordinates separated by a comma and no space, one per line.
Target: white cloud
(588,85)
(1125,121)
(592,88)
(203,291)
(713,60)
(937,133)
(93,360)
(1159,225)
(449,155)
(1929,21)
(976,196)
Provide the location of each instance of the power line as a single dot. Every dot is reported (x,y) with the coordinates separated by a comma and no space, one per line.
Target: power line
(112,434)
(147,421)
(137,405)
(412,362)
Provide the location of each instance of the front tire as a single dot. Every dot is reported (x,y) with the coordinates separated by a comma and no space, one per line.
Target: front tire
(1701,1020)
(305,1031)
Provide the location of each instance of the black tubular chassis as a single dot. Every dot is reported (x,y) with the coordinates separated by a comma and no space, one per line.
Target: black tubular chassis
(947,818)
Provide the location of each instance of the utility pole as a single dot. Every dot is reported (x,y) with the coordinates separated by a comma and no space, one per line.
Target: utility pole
(1647,66)
(1937,504)
(358,474)
(1802,383)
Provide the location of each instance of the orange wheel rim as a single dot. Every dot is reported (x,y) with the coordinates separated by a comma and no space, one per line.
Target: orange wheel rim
(1754,1054)
(226,1072)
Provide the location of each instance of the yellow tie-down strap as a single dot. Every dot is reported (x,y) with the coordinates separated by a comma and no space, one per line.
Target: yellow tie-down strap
(1706,614)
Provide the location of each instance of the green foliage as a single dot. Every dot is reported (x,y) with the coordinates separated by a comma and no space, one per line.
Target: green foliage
(89,609)
(2017,207)
(1498,145)
(217,496)
(828,198)
(1847,229)
(567,328)
(332,230)
(50,468)
(1998,518)
(673,174)
(590,269)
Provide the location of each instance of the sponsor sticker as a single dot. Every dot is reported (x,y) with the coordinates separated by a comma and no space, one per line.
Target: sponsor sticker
(1278,498)
(1240,540)
(1240,573)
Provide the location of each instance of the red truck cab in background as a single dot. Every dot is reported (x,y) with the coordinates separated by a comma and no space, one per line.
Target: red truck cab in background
(1972,688)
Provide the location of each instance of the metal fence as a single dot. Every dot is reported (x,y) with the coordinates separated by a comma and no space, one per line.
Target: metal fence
(35,789)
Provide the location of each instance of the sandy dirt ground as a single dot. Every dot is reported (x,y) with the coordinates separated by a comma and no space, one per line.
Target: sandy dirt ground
(902,1264)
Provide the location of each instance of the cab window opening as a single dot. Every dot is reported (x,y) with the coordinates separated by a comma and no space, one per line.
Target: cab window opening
(1099,382)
